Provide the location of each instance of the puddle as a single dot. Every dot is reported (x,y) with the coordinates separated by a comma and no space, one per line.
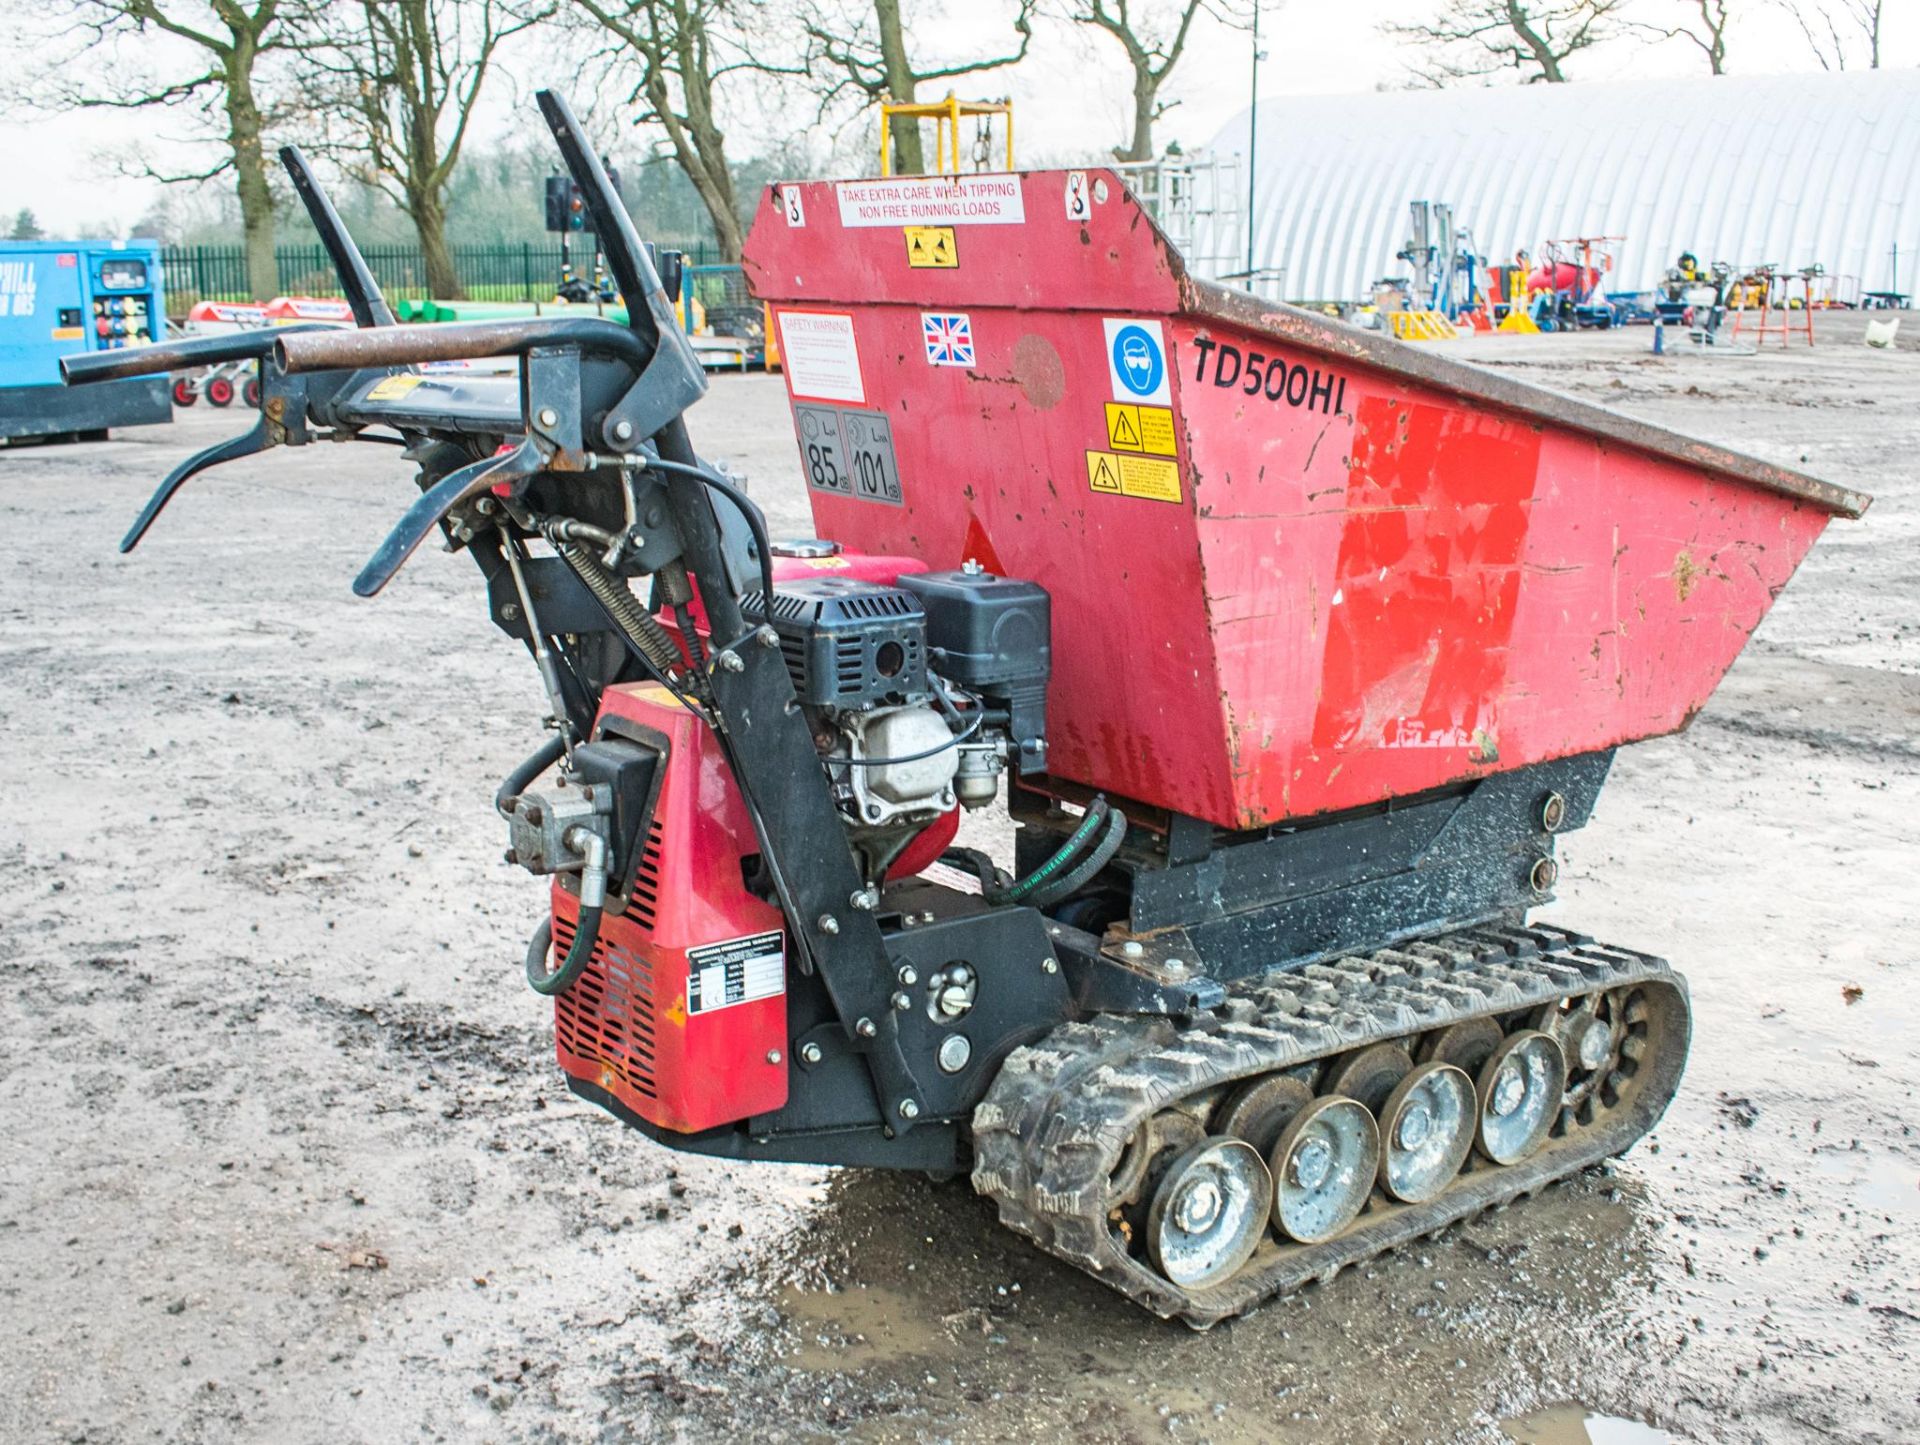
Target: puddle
(1577,1425)
(847,1329)
(1877,1184)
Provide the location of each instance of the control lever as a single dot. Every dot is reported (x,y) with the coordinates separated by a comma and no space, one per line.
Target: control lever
(356,278)
(232,449)
(510,469)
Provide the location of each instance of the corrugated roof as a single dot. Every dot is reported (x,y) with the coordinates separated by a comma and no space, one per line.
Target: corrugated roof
(1789,169)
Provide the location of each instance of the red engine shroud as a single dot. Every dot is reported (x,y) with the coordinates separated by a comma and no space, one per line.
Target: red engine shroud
(681,1014)
(1295,567)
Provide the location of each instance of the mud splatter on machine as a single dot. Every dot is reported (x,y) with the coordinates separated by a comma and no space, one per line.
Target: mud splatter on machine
(1290,651)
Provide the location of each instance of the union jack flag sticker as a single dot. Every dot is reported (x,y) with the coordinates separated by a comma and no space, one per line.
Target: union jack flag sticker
(949,338)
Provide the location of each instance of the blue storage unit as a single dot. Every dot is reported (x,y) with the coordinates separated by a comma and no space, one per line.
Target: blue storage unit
(59,297)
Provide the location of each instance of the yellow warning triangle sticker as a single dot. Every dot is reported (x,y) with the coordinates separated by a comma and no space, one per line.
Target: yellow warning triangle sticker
(1101,475)
(1124,434)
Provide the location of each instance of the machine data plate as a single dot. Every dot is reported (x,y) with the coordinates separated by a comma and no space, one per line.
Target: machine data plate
(848,452)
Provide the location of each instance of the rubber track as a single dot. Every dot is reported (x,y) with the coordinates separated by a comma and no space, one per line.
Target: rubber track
(1051,1128)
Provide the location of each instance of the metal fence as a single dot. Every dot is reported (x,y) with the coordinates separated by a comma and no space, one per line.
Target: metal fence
(527,272)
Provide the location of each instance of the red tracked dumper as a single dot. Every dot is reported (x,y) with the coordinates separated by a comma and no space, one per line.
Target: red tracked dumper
(1289,650)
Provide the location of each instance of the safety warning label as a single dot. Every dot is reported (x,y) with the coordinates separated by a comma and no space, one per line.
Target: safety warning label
(1140,429)
(1124,476)
(821,357)
(740,970)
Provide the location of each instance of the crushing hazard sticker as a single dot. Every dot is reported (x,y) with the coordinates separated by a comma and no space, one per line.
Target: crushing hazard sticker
(740,970)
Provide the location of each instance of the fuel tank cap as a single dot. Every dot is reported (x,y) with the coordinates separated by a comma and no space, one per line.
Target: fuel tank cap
(805,547)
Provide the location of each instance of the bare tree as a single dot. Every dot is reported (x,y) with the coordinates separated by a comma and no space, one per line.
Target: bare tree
(1154,35)
(227,42)
(1705,29)
(1475,39)
(685,49)
(867,47)
(412,72)
(1835,29)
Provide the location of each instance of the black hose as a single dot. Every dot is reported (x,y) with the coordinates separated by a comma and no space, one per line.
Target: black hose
(755,519)
(538,761)
(1096,814)
(1066,886)
(586,933)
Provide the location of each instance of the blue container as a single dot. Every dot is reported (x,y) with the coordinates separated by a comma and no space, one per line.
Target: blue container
(62,297)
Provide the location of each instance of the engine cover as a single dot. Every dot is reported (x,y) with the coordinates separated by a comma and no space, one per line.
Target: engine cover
(849,644)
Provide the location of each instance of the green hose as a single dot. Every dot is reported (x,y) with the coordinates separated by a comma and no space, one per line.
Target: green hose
(1096,814)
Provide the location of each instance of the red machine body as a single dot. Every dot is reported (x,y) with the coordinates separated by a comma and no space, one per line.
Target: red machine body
(681,1015)
(1295,567)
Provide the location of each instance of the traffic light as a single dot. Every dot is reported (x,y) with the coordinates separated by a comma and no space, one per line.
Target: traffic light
(567,208)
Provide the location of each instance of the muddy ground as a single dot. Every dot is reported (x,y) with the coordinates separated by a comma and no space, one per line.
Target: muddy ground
(284,1154)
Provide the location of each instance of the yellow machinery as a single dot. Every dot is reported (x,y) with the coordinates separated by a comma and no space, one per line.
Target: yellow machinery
(946,116)
(1421,326)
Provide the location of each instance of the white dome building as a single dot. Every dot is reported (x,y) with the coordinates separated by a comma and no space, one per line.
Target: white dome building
(1793,170)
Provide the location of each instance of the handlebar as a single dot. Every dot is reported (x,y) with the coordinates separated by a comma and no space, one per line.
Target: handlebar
(452,341)
(88,366)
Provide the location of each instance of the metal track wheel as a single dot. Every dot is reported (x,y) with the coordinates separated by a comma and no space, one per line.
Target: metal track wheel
(1323,1168)
(1426,1132)
(1520,1088)
(1209,1212)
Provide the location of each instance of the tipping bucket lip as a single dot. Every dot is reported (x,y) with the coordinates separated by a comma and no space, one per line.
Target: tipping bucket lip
(1337,571)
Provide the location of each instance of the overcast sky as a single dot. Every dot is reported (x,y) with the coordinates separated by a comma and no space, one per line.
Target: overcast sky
(1070,94)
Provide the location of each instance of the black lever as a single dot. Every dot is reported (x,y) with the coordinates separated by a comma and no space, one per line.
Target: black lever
(627,259)
(674,379)
(356,278)
(510,468)
(233,448)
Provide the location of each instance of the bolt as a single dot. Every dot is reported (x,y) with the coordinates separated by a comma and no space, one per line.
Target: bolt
(1312,1162)
(1176,965)
(873,810)
(865,1028)
(954,1001)
(1553,812)
(902,1001)
(1132,949)
(827,923)
(1509,1088)
(1416,1123)
(486,506)
(1197,1206)
(549,417)
(909,1109)
(767,637)
(531,812)
(773,1056)
(623,431)
(954,1053)
(811,1053)
(1591,1043)
(908,978)
(864,900)
(1047,965)
(510,611)
(729,661)
(1544,874)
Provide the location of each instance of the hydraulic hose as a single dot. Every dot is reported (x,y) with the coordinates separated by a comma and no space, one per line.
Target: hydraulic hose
(1064,887)
(586,929)
(1062,859)
(538,761)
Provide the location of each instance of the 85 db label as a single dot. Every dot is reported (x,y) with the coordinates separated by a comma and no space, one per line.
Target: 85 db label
(848,452)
